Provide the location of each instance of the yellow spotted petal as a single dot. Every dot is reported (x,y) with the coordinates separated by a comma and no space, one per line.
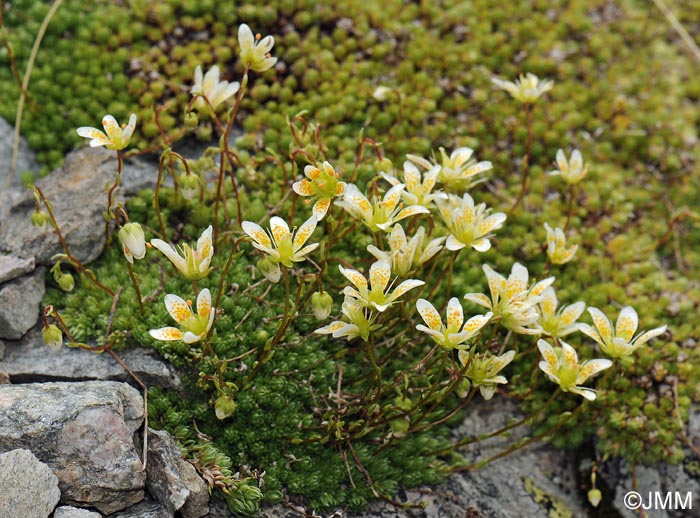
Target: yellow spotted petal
(321,208)
(627,323)
(303,188)
(455,315)
(570,356)
(354,277)
(166,334)
(548,353)
(590,368)
(204,303)
(279,228)
(572,313)
(178,308)
(256,232)
(304,232)
(477,322)
(517,281)
(602,324)
(379,275)
(429,314)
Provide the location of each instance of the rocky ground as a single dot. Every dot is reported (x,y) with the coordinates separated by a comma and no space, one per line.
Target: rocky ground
(71,424)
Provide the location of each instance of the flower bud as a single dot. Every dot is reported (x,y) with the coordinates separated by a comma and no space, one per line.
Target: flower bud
(52,336)
(385,166)
(133,241)
(191,120)
(594,497)
(65,281)
(270,269)
(382,93)
(224,407)
(189,184)
(322,304)
(40,219)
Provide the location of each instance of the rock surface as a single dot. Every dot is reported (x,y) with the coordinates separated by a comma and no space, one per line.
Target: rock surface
(168,475)
(84,432)
(26,159)
(29,361)
(20,302)
(68,511)
(146,509)
(12,267)
(28,487)
(77,193)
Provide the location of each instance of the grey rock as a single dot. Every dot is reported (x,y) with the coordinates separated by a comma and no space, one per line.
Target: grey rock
(165,478)
(2,350)
(85,432)
(28,487)
(139,173)
(146,509)
(12,267)
(19,304)
(26,159)
(67,511)
(29,361)
(77,193)
(197,504)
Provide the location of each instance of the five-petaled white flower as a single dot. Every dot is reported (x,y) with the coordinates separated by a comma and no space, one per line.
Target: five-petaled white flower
(558,323)
(469,225)
(557,251)
(417,192)
(457,331)
(192,263)
(114,136)
(358,321)
(133,241)
(322,185)
(381,214)
(281,246)
(562,367)
(193,327)
(210,88)
(512,302)
(375,296)
(255,52)
(528,89)
(572,170)
(406,255)
(460,171)
(482,371)
(622,343)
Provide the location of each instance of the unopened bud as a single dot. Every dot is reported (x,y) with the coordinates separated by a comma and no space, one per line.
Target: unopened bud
(382,93)
(40,219)
(65,281)
(133,241)
(385,165)
(52,336)
(189,184)
(191,120)
(594,497)
(224,407)
(322,304)
(270,269)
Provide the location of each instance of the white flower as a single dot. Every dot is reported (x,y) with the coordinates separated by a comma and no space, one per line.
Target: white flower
(558,323)
(622,344)
(562,367)
(281,246)
(192,327)
(406,255)
(469,225)
(459,171)
(456,332)
(213,90)
(322,185)
(358,321)
(556,246)
(254,50)
(133,241)
(114,136)
(381,214)
(417,192)
(192,263)
(482,371)
(511,300)
(527,89)
(376,295)
(572,170)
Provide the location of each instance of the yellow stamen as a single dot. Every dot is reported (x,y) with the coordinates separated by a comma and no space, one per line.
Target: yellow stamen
(258,36)
(189,302)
